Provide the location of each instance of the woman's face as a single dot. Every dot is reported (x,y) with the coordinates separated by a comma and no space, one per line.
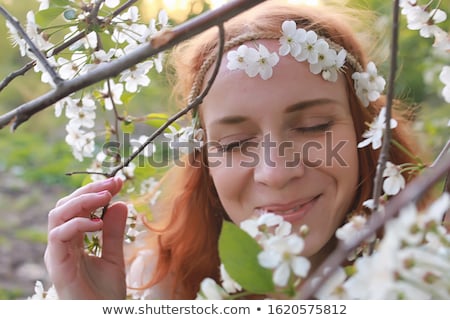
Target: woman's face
(285,145)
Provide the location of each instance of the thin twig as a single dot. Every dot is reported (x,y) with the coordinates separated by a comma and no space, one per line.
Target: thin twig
(40,57)
(163,41)
(442,153)
(413,191)
(64,45)
(197,101)
(384,154)
(17,73)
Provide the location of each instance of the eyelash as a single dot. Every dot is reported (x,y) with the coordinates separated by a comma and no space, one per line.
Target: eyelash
(232,145)
(238,144)
(319,128)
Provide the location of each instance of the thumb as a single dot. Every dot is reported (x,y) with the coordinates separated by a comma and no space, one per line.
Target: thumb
(113,232)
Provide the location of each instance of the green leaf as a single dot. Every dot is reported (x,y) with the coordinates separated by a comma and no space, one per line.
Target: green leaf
(59,3)
(238,252)
(156,120)
(44,17)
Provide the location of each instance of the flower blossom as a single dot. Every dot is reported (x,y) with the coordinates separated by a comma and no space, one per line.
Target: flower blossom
(136,76)
(41,294)
(137,143)
(112,94)
(394,181)
(210,290)
(291,39)
(424,21)
(376,129)
(260,227)
(185,140)
(369,85)
(253,61)
(282,255)
(228,283)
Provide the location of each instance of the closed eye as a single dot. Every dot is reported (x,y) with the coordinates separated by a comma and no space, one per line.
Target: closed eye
(235,145)
(314,129)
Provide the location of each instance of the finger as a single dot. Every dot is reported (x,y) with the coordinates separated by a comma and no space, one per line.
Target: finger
(113,185)
(60,239)
(81,206)
(113,232)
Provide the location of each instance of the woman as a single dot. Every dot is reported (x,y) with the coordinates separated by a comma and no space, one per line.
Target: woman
(281,136)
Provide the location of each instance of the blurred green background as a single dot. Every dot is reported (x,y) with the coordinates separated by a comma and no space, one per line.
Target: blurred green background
(35,158)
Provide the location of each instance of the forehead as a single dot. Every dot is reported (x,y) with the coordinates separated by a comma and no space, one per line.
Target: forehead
(291,82)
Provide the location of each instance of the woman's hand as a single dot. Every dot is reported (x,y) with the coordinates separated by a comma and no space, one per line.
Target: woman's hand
(74,273)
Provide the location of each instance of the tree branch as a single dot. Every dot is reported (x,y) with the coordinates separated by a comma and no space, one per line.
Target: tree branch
(384,154)
(17,73)
(164,40)
(413,191)
(40,57)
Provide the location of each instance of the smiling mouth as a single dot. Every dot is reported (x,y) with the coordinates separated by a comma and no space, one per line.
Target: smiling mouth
(291,213)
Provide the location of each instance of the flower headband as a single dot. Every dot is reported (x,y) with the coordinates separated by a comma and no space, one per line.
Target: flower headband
(324,56)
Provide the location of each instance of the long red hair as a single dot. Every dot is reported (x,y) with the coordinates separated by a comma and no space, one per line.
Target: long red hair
(191,216)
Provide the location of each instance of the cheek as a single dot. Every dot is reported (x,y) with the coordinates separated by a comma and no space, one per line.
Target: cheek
(230,183)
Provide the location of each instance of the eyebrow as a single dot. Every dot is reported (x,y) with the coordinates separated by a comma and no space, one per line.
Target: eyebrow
(292,108)
(309,103)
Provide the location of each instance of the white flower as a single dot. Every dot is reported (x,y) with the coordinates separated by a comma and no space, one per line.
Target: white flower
(264,63)
(71,68)
(352,229)
(444,76)
(419,19)
(112,3)
(265,225)
(34,33)
(241,58)
(376,129)
(82,142)
(228,283)
(394,181)
(291,39)
(112,94)
(308,51)
(369,85)
(281,254)
(325,57)
(41,294)
(441,40)
(136,76)
(89,41)
(155,26)
(16,39)
(127,172)
(81,112)
(330,72)
(210,290)
(137,143)
(126,29)
(185,140)
(332,288)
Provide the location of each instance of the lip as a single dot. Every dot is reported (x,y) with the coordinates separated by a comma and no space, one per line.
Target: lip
(293,211)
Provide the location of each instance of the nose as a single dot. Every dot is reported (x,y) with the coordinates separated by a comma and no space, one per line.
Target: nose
(279,164)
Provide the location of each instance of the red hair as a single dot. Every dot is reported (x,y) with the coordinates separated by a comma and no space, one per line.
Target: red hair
(191,218)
